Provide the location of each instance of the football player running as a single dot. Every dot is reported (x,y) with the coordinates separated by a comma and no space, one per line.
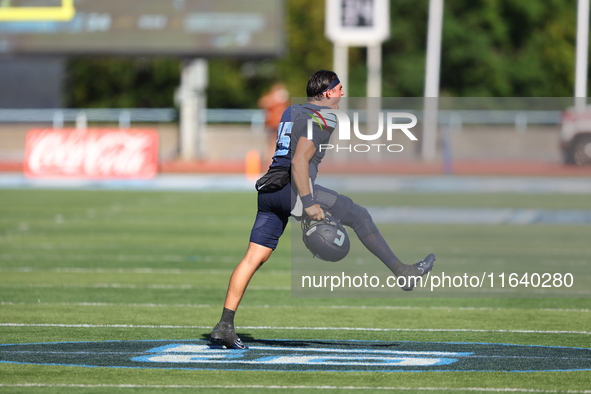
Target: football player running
(278,193)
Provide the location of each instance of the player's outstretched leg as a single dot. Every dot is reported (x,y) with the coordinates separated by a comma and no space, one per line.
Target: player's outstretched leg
(406,274)
(359,219)
(224,334)
(413,272)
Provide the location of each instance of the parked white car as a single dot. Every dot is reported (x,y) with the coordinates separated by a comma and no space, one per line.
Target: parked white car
(575,136)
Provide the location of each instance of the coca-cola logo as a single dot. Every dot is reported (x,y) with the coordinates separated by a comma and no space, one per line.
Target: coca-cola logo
(95,153)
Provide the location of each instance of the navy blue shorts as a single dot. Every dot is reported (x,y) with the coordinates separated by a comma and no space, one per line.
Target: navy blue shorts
(272,216)
(275,208)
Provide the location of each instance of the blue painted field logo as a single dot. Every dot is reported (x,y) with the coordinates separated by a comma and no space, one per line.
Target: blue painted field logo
(302,355)
(344,130)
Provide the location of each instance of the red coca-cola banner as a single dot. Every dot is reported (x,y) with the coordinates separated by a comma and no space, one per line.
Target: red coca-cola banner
(91,154)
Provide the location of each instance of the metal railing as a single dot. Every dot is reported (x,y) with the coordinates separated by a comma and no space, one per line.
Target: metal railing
(255,117)
(59,116)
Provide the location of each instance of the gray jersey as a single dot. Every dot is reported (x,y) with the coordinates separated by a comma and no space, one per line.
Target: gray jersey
(322,126)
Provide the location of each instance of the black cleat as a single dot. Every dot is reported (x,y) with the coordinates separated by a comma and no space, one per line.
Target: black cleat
(223,334)
(416,271)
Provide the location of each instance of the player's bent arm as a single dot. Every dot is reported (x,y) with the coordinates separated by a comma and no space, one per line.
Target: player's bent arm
(300,168)
(300,165)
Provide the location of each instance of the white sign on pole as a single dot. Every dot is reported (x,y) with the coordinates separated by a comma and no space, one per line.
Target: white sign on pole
(432,71)
(582,54)
(357,22)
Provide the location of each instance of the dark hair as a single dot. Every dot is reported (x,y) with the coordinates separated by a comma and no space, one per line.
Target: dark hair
(318,83)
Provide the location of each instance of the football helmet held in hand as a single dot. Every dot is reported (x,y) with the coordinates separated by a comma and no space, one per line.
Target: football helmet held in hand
(327,239)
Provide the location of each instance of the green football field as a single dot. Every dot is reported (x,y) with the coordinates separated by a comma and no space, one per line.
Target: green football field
(93,278)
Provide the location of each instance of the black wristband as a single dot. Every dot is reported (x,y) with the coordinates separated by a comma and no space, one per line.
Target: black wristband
(308,200)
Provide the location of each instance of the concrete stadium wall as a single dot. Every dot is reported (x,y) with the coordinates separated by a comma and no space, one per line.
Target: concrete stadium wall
(232,142)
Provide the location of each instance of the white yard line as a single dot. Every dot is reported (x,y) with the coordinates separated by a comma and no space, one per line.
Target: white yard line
(110,304)
(157,271)
(298,328)
(344,307)
(134,286)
